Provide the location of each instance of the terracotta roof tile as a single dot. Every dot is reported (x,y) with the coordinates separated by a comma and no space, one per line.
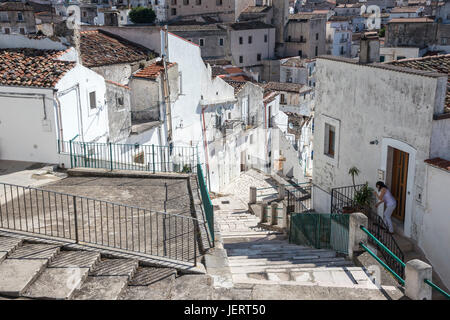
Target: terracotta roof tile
(439,162)
(152,71)
(283,86)
(32,67)
(233,70)
(411,20)
(100,49)
(440,63)
(117,84)
(237,85)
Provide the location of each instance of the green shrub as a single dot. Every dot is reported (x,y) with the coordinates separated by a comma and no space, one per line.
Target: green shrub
(142,15)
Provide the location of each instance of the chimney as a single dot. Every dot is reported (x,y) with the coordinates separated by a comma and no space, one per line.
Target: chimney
(369,48)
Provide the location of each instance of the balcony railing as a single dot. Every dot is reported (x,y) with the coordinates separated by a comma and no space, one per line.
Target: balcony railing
(342,199)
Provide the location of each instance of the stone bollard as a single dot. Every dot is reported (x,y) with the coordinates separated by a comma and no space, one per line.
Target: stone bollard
(263,213)
(252,195)
(284,221)
(416,271)
(274,213)
(281,192)
(355,234)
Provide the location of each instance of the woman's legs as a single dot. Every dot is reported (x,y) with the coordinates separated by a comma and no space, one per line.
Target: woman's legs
(387,217)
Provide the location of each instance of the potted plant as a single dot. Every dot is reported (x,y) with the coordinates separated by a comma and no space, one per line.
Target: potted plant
(364,196)
(353,171)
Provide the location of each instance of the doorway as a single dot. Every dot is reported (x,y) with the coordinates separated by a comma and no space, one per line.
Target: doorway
(399,180)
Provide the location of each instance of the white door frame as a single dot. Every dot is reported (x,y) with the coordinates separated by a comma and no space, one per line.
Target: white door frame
(393,143)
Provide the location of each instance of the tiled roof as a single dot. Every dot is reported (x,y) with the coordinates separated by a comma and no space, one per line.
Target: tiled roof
(439,162)
(411,20)
(15,6)
(237,85)
(255,9)
(233,70)
(306,16)
(117,84)
(250,25)
(100,49)
(152,71)
(439,64)
(217,70)
(269,96)
(404,9)
(283,86)
(32,67)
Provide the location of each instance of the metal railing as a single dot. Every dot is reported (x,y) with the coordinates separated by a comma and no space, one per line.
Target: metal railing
(206,201)
(115,156)
(320,230)
(299,199)
(343,197)
(91,221)
(397,259)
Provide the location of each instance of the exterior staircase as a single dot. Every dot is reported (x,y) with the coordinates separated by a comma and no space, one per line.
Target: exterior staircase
(48,271)
(260,256)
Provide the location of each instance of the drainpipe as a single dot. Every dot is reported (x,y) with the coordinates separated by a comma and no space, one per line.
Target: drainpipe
(205,145)
(58,118)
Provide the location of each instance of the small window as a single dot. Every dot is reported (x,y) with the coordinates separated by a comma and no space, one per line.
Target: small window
(265,38)
(330,136)
(120,101)
(282,98)
(92,100)
(317,36)
(198,2)
(221,42)
(300,53)
(250,38)
(258,57)
(219,2)
(186,2)
(7,31)
(201,42)
(241,40)
(316,51)
(19,16)
(84,13)
(174,11)
(22,30)
(241,59)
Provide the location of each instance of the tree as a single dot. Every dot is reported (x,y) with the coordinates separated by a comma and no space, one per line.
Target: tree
(142,15)
(353,171)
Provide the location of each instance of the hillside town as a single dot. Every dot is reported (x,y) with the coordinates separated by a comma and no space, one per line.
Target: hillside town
(224,149)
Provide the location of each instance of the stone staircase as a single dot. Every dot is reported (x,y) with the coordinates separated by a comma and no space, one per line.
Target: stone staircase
(259,256)
(48,271)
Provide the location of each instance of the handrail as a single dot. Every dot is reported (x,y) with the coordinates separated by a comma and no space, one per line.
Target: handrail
(382,263)
(432,285)
(382,246)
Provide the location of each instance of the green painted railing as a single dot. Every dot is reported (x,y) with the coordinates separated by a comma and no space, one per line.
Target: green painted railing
(206,201)
(139,157)
(400,280)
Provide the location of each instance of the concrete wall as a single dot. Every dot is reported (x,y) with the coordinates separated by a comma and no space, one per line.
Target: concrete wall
(119,112)
(367,103)
(28,130)
(211,48)
(307,29)
(21,41)
(435,238)
(249,51)
(440,139)
(391,54)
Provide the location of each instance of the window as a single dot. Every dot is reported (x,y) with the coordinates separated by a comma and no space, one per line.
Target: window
(218,2)
(84,13)
(241,59)
(250,38)
(120,101)
(174,11)
(300,53)
(221,42)
(316,51)
(92,100)
(301,38)
(241,40)
(22,30)
(7,30)
(186,2)
(201,42)
(342,50)
(156,2)
(317,36)
(282,98)
(258,57)
(330,137)
(19,16)
(198,2)
(174,2)
(265,38)
(4,17)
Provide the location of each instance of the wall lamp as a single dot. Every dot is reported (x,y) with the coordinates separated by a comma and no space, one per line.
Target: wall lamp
(374,142)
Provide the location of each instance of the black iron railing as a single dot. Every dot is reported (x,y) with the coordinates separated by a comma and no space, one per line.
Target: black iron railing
(342,200)
(97,222)
(299,198)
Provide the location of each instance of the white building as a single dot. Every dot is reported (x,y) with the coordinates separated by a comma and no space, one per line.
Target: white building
(339,36)
(46,98)
(387,121)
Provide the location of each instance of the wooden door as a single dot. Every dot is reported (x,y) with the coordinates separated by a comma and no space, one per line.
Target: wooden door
(399,182)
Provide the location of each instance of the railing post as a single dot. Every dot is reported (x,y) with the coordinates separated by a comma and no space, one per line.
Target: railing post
(74,199)
(252,195)
(355,234)
(416,272)
(71,160)
(284,223)
(153,157)
(263,213)
(164,222)
(110,156)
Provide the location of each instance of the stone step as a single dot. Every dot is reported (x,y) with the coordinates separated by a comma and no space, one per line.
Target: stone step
(63,275)
(254,253)
(336,262)
(405,244)
(149,275)
(22,266)
(270,262)
(8,245)
(288,257)
(107,280)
